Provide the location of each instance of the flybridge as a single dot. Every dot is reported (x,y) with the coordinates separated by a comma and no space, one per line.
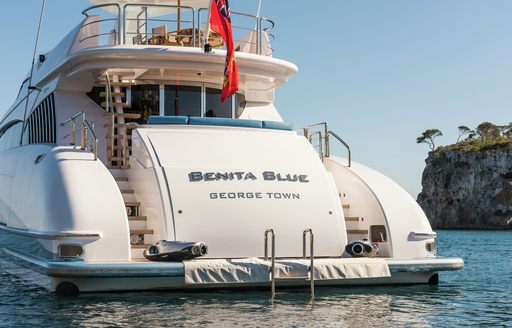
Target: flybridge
(180,23)
(239,176)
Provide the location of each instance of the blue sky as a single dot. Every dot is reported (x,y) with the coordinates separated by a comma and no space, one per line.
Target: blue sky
(380,72)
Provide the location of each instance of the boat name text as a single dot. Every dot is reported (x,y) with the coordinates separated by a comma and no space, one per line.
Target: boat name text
(241,176)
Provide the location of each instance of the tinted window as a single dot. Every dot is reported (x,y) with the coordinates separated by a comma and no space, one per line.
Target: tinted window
(40,125)
(145,100)
(214,108)
(182,101)
(10,136)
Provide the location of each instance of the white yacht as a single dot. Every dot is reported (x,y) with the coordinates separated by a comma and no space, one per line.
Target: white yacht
(122,170)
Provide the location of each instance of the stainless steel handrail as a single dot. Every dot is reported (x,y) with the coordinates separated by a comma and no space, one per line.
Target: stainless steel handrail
(273,259)
(121,19)
(344,144)
(193,11)
(118,19)
(311,257)
(84,127)
(258,29)
(52,235)
(109,104)
(326,138)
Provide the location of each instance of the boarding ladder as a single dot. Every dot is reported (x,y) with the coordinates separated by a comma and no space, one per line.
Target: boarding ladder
(272,271)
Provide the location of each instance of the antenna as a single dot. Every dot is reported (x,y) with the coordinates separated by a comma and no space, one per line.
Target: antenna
(259,9)
(30,86)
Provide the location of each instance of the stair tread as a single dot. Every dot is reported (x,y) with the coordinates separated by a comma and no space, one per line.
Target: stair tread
(116,104)
(132,203)
(118,167)
(117,136)
(345,205)
(357,232)
(137,218)
(127,191)
(142,231)
(125,115)
(128,126)
(113,94)
(140,245)
(352,218)
(121,179)
(109,147)
(114,158)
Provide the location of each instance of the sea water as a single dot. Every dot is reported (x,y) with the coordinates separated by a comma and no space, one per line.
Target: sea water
(478,295)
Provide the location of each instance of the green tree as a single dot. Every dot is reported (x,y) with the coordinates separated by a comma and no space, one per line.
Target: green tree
(428,137)
(464,130)
(506,130)
(487,130)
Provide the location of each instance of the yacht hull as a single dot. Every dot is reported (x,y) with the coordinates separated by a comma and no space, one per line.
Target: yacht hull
(147,276)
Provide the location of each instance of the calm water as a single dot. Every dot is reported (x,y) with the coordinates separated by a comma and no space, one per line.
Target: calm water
(481,294)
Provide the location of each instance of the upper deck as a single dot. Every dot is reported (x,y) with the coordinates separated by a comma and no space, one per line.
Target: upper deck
(180,23)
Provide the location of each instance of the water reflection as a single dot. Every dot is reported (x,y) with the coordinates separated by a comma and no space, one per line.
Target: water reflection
(478,295)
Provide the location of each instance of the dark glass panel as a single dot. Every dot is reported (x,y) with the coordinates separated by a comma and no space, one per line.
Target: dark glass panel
(182,100)
(214,108)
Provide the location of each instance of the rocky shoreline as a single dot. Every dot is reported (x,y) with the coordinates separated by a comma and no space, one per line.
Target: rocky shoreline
(468,190)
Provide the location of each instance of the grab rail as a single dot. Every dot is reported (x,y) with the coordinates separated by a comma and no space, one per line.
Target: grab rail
(273,259)
(84,127)
(116,19)
(311,257)
(51,235)
(324,134)
(344,144)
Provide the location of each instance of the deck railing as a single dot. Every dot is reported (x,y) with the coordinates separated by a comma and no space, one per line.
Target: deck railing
(111,24)
(84,129)
(319,136)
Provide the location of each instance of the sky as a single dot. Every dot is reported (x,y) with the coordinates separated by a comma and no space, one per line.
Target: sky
(380,72)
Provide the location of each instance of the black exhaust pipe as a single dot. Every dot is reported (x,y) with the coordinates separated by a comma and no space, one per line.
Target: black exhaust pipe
(175,251)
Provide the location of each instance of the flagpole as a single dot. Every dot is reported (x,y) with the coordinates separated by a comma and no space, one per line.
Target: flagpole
(179,16)
(207,31)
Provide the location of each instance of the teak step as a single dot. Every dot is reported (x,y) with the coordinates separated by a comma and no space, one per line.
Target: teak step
(140,246)
(134,204)
(113,94)
(109,147)
(128,126)
(118,137)
(115,159)
(345,205)
(141,232)
(125,115)
(124,105)
(137,218)
(127,191)
(121,179)
(118,167)
(352,218)
(357,232)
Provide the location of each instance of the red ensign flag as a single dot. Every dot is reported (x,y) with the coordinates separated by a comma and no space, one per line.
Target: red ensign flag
(220,22)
